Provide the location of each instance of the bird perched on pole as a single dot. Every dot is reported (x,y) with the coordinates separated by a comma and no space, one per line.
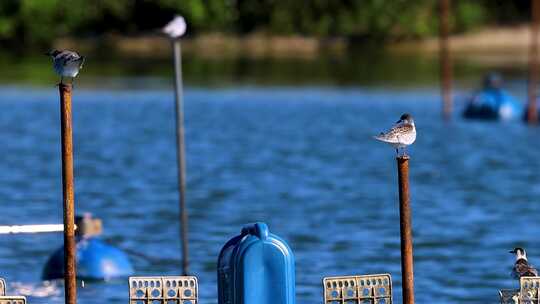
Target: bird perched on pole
(66,63)
(522,268)
(176,28)
(401,135)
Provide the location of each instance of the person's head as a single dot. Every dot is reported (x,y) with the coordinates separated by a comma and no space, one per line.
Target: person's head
(493,81)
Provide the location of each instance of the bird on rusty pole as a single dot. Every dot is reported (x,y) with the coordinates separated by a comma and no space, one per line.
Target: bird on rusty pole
(401,135)
(66,63)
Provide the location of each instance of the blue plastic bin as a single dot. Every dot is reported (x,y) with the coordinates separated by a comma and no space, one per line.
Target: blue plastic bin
(256,267)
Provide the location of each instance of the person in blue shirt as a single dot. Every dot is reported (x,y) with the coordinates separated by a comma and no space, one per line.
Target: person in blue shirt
(493,102)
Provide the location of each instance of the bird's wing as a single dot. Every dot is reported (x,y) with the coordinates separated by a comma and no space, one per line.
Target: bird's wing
(524,270)
(70,56)
(533,270)
(66,57)
(393,134)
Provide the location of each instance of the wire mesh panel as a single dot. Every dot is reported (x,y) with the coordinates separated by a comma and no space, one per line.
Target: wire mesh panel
(2,287)
(366,289)
(163,290)
(12,300)
(509,296)
(529,290)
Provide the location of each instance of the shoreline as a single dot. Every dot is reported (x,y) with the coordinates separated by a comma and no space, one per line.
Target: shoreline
(211,46)
(490,46)
(506,45)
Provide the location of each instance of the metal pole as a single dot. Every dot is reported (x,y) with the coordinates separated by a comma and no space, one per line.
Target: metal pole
(405,226)
(180,154)
(68,195)
(532,113)
(445,62)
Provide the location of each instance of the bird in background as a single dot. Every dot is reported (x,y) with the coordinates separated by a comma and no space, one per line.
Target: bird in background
(66,63)
(522,268)
(176,28)
(401,135)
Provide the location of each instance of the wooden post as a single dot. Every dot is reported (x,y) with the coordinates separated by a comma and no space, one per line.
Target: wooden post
(405,226)
(445,62)
(180,153)
(532,112)
(70,278)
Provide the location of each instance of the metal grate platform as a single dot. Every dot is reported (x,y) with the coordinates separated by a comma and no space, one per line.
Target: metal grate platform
(2,287)
(163,290)
(529,290)
(365,289)
(509,296)
(12,300)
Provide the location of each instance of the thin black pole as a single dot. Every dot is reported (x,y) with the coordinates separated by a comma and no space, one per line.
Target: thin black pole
(180,154)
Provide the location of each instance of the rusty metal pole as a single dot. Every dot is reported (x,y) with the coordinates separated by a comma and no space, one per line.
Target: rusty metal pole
(445,62)
(405,226)
(180,153)
(70,278)
(532,113)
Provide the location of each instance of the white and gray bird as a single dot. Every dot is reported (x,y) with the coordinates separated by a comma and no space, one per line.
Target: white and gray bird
(66,63)
(401,135)
(522,268)
(176,28)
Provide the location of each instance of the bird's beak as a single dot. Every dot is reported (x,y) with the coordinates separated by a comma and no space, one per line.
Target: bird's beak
(399,121)
(47,54)
(511,251)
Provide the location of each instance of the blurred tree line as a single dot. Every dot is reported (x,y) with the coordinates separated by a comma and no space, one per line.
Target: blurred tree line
(38,22)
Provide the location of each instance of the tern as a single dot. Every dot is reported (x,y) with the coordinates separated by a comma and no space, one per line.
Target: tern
(522,268)
(66,63)
(401,135)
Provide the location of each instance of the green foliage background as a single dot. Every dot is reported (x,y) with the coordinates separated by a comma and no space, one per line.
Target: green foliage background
(38,22)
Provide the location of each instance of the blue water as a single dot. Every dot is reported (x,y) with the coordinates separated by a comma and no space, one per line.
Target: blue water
(301,160)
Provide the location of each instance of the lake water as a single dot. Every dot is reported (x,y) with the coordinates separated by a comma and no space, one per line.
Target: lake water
(300,159)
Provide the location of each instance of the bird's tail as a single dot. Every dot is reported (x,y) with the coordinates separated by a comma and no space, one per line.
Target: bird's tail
(381,137)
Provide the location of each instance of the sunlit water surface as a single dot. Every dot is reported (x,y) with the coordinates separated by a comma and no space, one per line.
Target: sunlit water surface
(301,160)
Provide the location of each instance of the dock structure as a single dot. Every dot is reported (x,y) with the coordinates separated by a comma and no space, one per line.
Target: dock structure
(528,292)
(6,299)
(163,290)
(374,288)
(70,278)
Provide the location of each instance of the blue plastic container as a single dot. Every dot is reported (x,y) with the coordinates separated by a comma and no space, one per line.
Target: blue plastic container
(256,267)
(96,260)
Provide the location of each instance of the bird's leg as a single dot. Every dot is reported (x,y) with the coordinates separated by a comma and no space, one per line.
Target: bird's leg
(61,79)
(397,151)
